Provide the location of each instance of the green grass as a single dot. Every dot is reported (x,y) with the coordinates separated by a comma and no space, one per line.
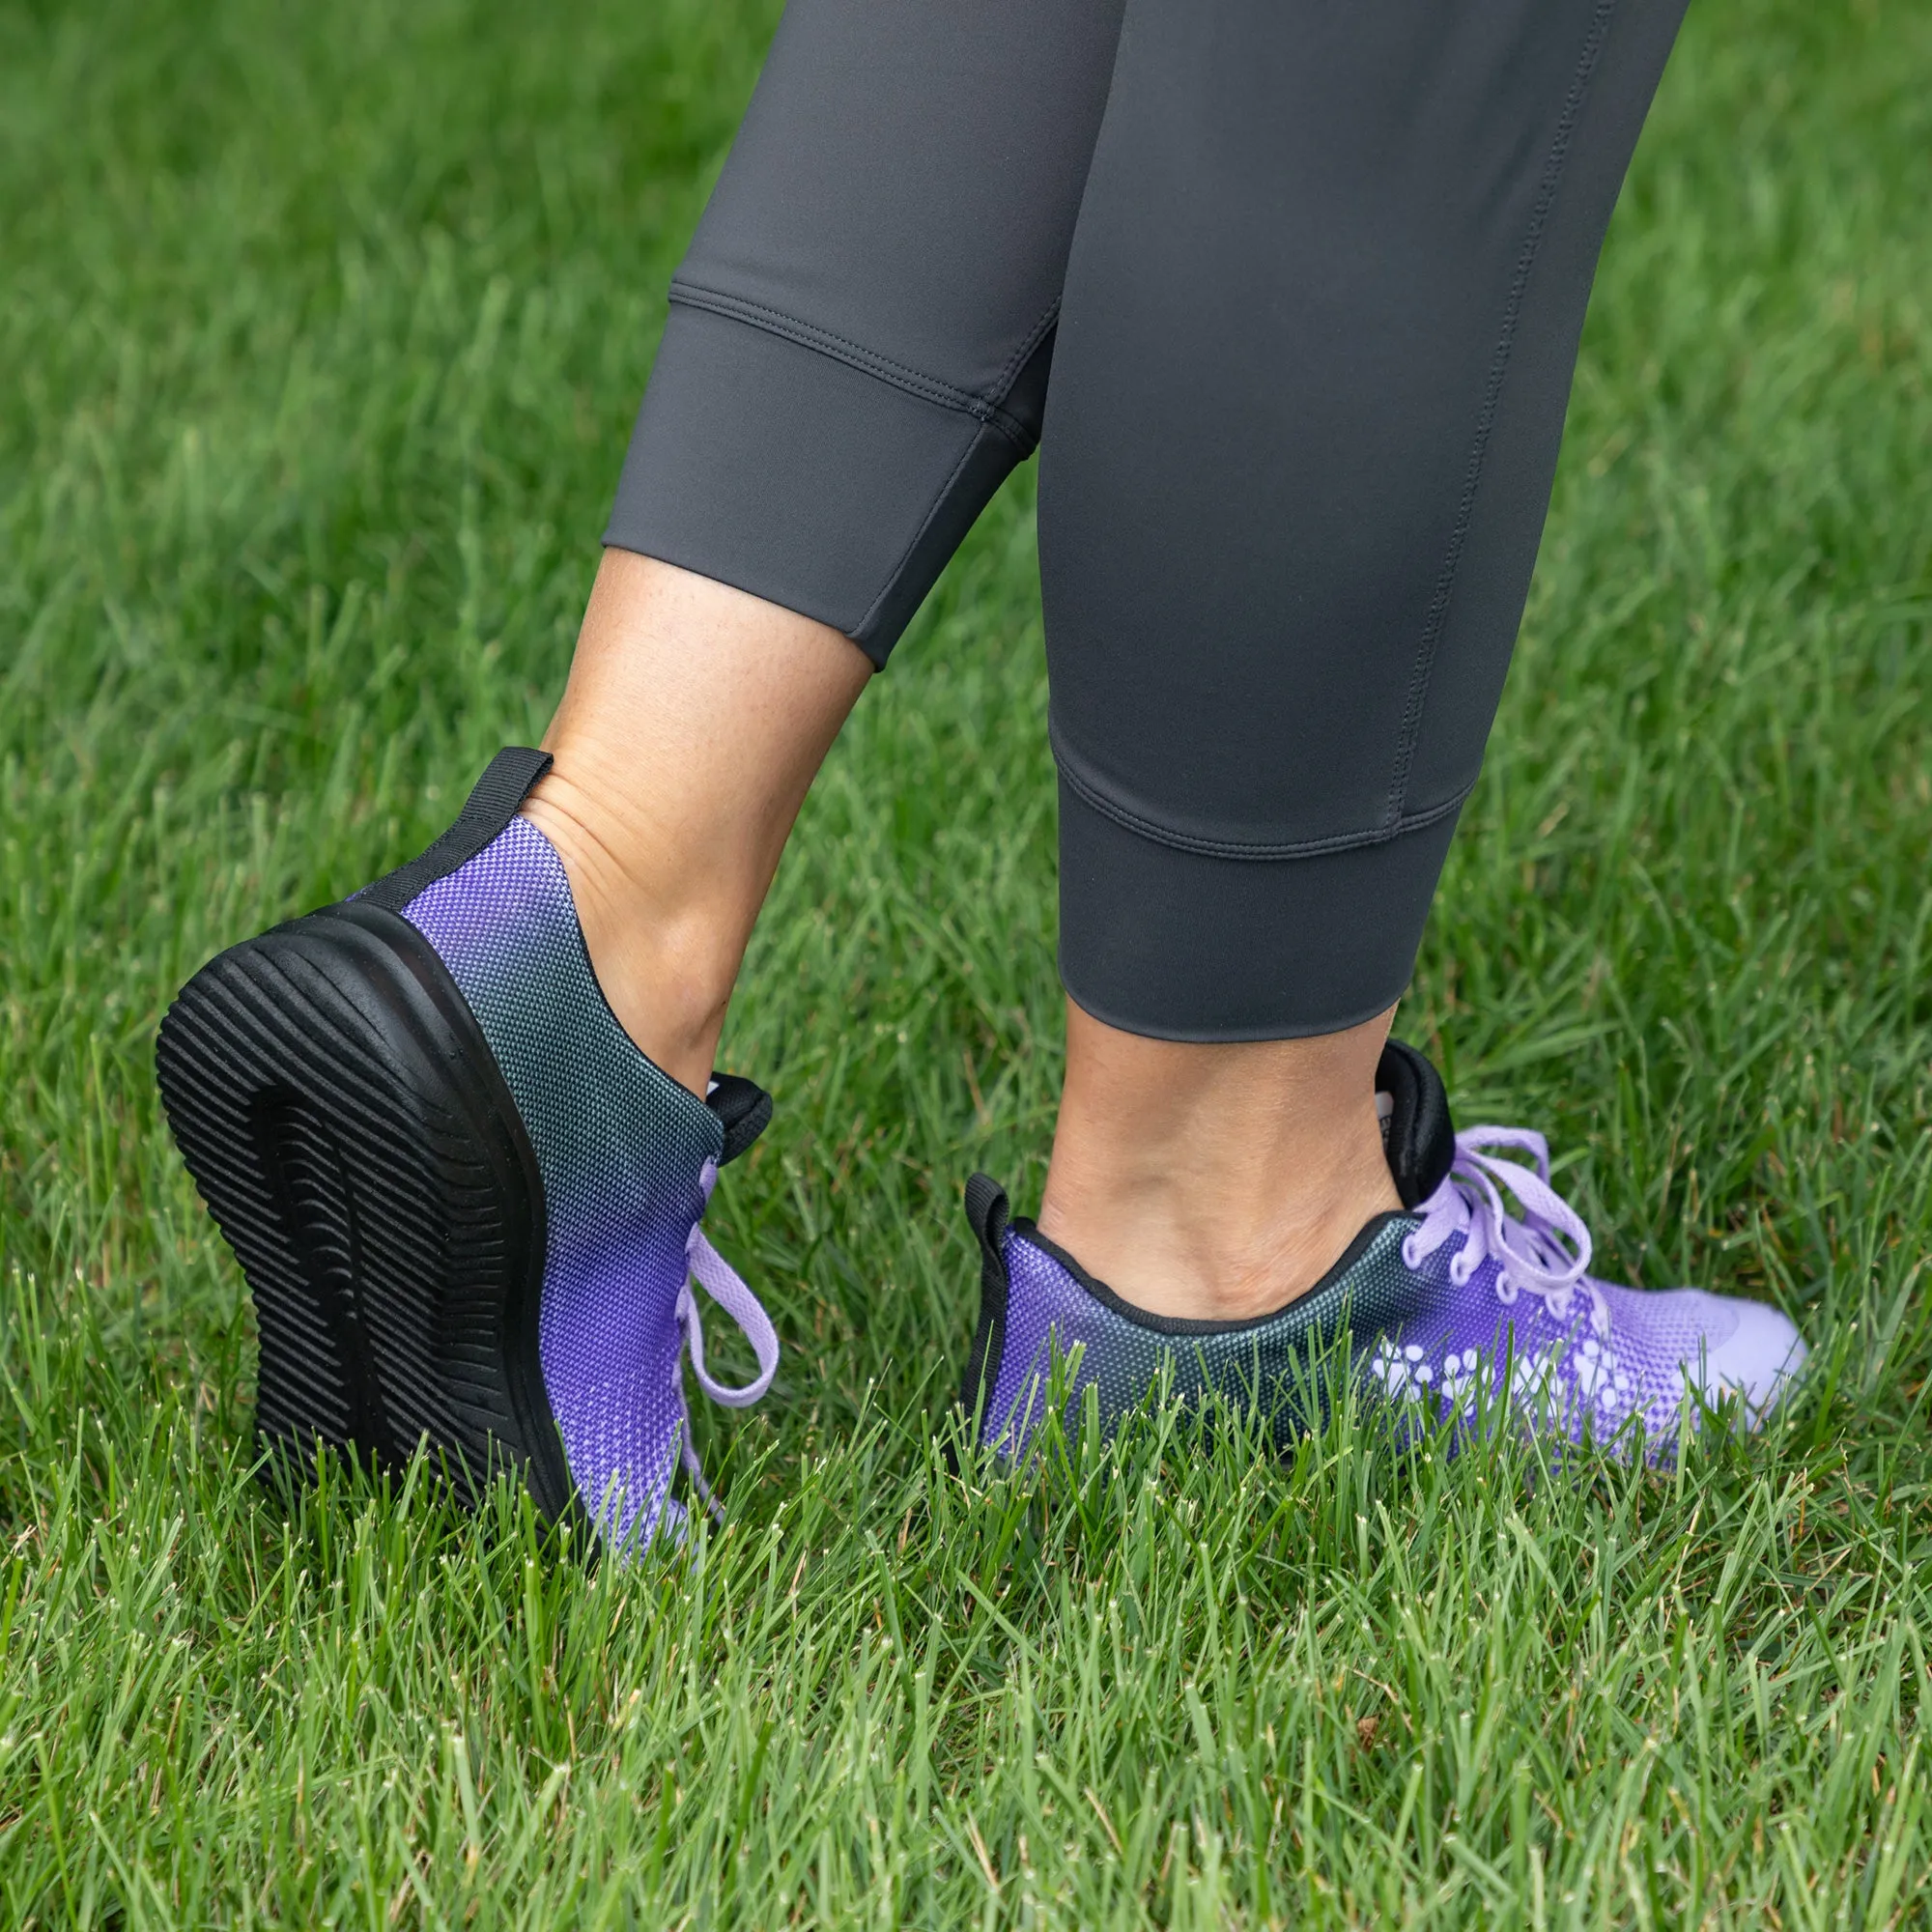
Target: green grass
(321,328)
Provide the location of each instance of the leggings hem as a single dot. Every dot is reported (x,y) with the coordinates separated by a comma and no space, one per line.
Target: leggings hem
(1179,944)
(985,409)
(763,462)
(1079,778)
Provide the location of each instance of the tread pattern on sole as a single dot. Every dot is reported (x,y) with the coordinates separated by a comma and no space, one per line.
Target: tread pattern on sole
(344,1120)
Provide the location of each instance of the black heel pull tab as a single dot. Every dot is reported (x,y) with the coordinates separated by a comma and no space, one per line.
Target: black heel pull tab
(492,803)
(988,1210)
(1418,1135)
(744,1109)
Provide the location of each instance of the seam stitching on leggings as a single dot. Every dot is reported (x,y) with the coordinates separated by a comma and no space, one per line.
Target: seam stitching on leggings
(1227,848)
(1031,341)
(898,570)
(1438,607)
(854,354)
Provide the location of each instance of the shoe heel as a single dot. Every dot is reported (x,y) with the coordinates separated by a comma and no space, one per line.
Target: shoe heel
(344,1120)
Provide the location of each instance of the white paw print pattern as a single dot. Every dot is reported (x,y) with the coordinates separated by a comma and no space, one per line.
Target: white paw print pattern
(1599,1379)
(1531,1382)
(1455,1382)
(1460,1381)
(1400,1371)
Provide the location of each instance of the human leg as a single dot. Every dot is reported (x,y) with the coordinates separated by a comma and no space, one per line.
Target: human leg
(459,1128)
(856,357)
(1318,323)
(1220,1181)
(859,336)
(693,723)
(1317,335)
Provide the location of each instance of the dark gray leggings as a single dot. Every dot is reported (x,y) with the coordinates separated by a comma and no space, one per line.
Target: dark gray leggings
(1309,276)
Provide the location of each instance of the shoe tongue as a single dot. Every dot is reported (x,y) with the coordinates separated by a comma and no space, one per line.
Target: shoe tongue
(1417,1133)
(743,1108)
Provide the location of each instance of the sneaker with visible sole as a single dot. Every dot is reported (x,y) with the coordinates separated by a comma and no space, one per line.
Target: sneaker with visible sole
(1455,1303)
(468,1206)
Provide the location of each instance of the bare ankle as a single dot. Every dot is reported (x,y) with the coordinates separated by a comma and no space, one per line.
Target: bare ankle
(666,968)
(695,717)
(1213,1257)
(1215,1182)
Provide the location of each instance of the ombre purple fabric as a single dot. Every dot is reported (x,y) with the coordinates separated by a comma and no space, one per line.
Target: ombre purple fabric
(1511,1319)
(1463,1308)
(622,1149)
(1275,1363)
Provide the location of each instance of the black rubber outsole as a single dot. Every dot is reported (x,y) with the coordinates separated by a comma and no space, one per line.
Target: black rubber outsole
(348,1126)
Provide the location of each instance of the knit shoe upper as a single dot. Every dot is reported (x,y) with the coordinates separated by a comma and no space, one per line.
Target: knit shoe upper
(1507,1312)
(628,1158)
(1455,1304)
(469,1207)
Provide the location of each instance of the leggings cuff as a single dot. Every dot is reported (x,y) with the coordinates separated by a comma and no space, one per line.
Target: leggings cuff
(764,463)
(1182,945)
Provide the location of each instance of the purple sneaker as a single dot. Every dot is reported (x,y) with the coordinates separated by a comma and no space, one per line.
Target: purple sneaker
(468,1206)
(1454,1304)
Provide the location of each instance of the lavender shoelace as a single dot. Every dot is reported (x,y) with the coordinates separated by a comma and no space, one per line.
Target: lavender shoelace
(719,1280)
(1547,1253)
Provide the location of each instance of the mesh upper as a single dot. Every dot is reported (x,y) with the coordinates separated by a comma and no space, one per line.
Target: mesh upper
(1586,1384)
(619,1144)
(1048,1310)
(1414,1334)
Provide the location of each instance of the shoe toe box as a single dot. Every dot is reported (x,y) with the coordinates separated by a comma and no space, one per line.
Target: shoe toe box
(1752,1353)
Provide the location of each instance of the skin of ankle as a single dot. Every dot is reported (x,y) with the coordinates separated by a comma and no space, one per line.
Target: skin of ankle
(1216,1181)
(694,719)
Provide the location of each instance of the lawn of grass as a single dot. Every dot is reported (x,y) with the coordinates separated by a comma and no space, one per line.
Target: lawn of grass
(319,334)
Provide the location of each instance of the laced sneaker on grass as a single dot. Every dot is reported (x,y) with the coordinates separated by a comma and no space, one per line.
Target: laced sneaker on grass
(1455,1304)
(469,1207)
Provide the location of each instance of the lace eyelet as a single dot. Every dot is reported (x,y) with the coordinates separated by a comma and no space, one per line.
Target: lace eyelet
(1411,1255)
(1458,1275)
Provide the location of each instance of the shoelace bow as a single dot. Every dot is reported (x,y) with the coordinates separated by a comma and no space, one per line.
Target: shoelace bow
(721,1282)
(1546,1252)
